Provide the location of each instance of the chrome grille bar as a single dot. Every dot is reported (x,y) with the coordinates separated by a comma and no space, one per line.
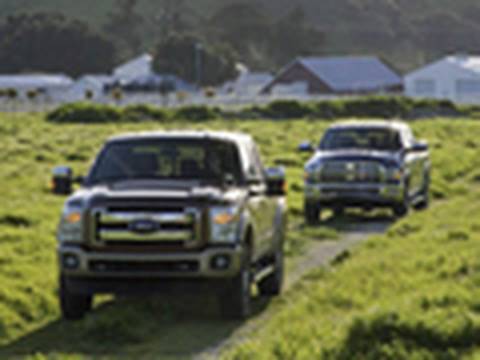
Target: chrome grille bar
(353,171)
(161,218)
(120,235)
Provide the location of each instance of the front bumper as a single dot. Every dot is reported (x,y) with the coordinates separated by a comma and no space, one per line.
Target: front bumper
(75,261)
(345,194)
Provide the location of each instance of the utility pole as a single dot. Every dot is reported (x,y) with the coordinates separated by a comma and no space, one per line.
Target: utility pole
(198,64)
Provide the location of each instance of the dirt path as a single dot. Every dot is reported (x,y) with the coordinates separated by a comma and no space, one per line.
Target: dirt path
(318,255)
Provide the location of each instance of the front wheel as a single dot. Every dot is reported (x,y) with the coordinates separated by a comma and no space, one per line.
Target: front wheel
(273,283)
(401,209)
(425,196)
(73,306)
(235,298)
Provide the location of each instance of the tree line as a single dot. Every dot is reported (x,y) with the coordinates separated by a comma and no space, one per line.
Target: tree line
(53,42)
(204,46)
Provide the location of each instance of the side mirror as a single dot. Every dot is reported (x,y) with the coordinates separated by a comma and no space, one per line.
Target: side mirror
(419,146)
(63,180)
(306,147)
(276,181)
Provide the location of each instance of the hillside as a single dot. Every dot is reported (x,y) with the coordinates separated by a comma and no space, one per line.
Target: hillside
(407,33)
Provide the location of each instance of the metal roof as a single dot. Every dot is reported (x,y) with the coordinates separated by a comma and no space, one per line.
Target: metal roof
(35,81)
(358,73)
(154,81)
(369,124)
(176,134)
(465,62)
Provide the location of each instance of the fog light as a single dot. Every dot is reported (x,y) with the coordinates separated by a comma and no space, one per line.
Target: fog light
(71,262)
(221,262)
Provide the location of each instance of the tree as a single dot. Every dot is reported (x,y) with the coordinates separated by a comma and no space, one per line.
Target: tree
(48,42)
(240,24)
(88,94)
(169,18)
(181,55)
(117,95)
(263,41)
(32,94)
(294,36)
(124,26)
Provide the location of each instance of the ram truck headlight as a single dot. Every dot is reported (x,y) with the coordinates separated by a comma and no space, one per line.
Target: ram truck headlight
(70,227)
(224,224)
(312,173)
(394,174)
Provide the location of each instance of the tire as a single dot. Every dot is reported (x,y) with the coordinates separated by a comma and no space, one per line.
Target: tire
(312,214)
(272,285)
(425,195)
(338,211)
(401,209)
(235,298)
(73,306)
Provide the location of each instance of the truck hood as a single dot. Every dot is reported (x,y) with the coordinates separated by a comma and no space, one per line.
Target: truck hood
(159,190)
(385,157)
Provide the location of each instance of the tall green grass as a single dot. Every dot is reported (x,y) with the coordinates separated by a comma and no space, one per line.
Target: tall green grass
(31,146)
(412,293)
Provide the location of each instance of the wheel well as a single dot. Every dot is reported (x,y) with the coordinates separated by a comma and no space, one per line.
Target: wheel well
(249,238)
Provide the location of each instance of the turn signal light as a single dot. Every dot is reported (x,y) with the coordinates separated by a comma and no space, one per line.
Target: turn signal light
(74,217)
(224,219)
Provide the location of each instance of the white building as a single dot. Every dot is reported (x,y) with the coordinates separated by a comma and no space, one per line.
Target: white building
(455,78)
(47,86)
(140,66)
(248,84)
(94,85)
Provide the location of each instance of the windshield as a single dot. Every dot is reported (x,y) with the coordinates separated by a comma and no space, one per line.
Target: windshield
(199,159)
(362,138)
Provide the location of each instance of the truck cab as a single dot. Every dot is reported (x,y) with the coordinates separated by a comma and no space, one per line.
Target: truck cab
(161,209)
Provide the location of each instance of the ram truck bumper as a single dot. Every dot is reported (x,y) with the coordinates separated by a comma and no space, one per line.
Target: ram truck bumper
(96,272)
(354,195)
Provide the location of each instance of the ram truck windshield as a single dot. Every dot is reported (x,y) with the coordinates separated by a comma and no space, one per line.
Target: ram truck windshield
(362,139)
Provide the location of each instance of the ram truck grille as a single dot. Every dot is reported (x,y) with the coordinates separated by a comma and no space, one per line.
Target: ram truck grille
(352,172)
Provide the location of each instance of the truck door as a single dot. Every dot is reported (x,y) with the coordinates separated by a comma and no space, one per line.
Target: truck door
(414,163)
(260,205)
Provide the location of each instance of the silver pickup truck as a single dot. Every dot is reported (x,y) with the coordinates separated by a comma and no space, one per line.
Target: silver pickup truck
(366,164)
(172,209)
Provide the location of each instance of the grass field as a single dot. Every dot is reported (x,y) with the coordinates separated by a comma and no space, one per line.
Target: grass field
(412,291)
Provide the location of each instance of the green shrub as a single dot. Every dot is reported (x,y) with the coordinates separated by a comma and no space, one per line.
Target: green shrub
(143,112)
(287,109)
(330,109)
(378,107)
(85,113)
(195,113)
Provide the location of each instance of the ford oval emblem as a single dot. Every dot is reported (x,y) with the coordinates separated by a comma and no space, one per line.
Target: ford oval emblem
(144,226)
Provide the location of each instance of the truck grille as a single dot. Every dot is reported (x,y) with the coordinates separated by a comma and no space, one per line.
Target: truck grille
(352,172)
(139,226)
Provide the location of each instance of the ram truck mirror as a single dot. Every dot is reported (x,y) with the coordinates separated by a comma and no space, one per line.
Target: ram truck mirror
(420,146)
(306,147)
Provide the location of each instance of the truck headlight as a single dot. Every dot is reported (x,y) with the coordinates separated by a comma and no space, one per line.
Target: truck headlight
(70,227)
(394,174)
(313,173)
(224,224)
